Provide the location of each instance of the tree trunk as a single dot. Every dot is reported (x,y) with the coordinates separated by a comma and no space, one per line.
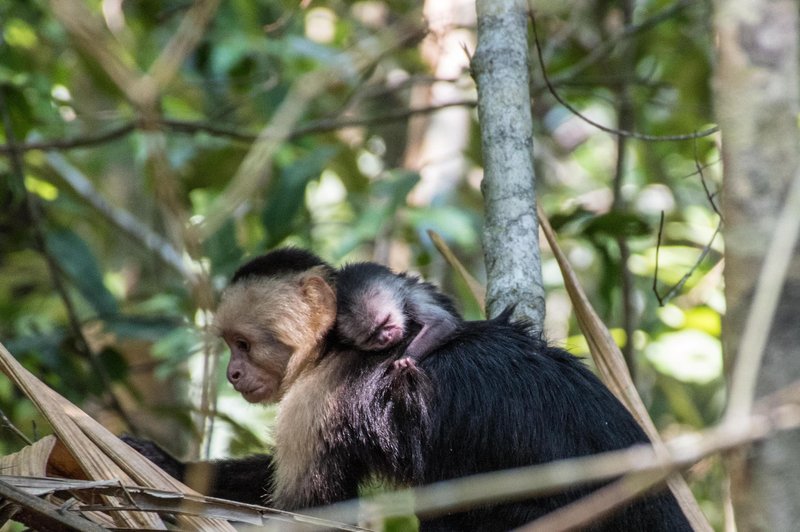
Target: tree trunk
(511,229)
(756,91)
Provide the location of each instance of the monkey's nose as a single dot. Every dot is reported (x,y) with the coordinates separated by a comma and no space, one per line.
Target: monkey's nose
(234,376)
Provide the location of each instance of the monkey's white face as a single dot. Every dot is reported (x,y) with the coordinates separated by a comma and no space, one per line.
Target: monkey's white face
(267,321)
(257,365)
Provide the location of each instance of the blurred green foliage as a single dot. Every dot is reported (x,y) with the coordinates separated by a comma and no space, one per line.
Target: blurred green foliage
(346,192)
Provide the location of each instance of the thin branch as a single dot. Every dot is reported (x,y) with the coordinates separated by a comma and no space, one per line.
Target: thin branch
(608,46)
(702,167)
(677,287)
(777,412)
(625,120)
(710,196)
(699,169)
(573,110)
(312,127)
(598,504)
(658,261)
(69,144)
(13,428)
(185,39)
(325,125)
(765,302)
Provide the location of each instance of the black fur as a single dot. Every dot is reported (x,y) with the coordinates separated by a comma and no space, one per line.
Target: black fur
(493,396)
(245,480)
(351,276)
(280,261)
(535,403)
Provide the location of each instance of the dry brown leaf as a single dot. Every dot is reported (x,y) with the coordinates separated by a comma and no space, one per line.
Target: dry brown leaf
(31,461)
(100,454)
(614,373)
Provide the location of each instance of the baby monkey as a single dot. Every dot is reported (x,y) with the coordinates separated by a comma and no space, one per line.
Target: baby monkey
(376,306)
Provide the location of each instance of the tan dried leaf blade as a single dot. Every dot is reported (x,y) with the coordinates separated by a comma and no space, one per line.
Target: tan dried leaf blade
(614,373)
(100,454)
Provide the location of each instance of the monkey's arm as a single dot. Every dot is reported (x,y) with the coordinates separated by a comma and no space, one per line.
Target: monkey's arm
(431,336)
(437,326)
(246,480)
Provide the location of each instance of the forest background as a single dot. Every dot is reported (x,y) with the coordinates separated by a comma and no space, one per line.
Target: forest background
(348,128)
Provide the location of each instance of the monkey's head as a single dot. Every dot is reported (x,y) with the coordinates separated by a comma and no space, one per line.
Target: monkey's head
(274,316)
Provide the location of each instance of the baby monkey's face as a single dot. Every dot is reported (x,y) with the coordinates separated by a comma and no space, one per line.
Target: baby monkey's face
(373,321)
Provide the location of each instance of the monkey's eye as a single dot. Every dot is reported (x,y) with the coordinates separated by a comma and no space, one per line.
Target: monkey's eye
(242,345)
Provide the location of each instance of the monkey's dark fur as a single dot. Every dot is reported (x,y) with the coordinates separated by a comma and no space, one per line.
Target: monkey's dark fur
(492,396)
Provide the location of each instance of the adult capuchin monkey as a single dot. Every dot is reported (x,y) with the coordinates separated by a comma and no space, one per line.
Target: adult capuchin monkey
(493,397)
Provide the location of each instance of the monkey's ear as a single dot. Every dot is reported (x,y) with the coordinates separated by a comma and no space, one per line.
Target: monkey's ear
(318,292)
(321,299)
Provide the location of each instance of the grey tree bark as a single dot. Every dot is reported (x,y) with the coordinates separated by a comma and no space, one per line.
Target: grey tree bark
(510,233)
(756,92)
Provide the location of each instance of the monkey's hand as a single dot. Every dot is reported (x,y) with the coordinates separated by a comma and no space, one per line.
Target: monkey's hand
(405,363)
(156,454)
(247,480)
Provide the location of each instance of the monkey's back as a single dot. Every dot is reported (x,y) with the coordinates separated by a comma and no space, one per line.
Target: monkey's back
(503,398)
(491,397)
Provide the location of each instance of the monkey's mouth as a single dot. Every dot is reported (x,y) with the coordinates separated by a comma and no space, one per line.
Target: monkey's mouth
(257,394)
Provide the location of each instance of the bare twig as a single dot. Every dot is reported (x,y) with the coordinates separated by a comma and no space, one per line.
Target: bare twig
(325,125)
(596,505)
(699,169)
(608,45)
(706,249)
(778,412)
(677,287)
(188,35)
(765,302)
(311,127)
(478,292)
(68,144)
(658,253)
(625,121)
(573,110)
(13,428)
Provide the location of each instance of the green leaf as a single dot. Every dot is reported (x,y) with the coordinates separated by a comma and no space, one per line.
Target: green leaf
(148,328)
(385,198)
(617,224)
(114,363)
(223,250)
(77,261)
(286,196)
